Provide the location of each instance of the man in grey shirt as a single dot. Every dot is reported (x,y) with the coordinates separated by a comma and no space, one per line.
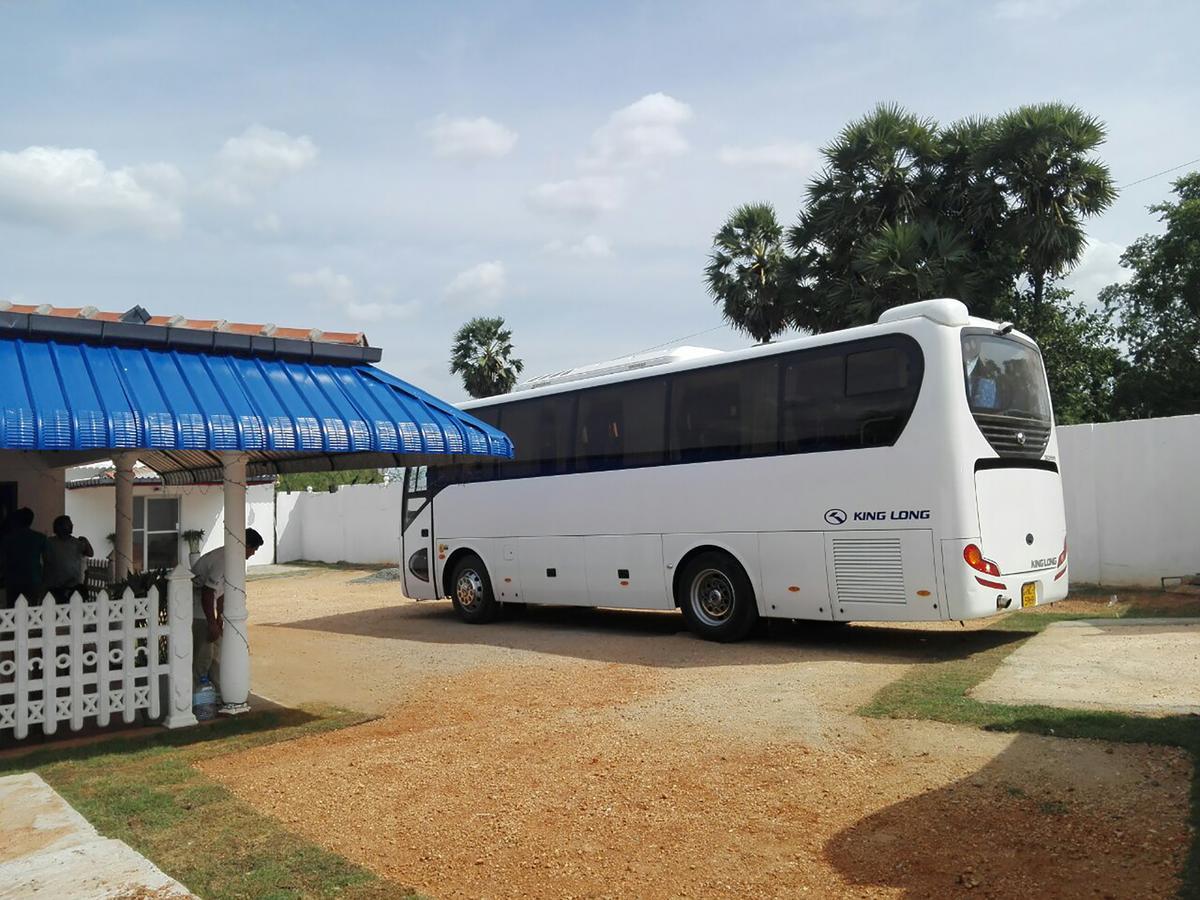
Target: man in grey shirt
(64,561)
(208,593)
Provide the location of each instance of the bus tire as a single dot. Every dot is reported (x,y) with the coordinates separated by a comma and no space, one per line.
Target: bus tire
(716,598)
(471,591)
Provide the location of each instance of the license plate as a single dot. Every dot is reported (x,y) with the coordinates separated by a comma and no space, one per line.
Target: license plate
(1029,594)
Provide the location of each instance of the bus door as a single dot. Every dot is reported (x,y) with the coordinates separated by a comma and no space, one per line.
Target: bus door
(416,535)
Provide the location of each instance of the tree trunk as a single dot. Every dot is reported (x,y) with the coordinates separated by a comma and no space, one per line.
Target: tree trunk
(1039,291)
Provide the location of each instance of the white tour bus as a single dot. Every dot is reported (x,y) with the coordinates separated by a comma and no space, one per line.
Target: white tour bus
(901,471)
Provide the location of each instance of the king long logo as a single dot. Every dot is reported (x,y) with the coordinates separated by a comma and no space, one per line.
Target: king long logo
(837,516)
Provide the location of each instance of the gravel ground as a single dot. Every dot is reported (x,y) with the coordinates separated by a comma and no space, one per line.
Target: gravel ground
(575,753)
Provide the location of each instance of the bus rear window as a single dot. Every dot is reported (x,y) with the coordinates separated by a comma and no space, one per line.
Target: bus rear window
(1004,377)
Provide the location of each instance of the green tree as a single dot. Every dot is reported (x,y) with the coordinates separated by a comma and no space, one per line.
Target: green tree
(1079,352)
(324,481)
(1039,160)
(482,356)
(864,236)
(747,273)
(1157,312)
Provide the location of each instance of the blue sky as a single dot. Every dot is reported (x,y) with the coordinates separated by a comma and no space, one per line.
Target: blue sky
(397,169)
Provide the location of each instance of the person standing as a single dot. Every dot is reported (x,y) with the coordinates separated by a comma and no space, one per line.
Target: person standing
(208,592)
(21,554)
(65,561)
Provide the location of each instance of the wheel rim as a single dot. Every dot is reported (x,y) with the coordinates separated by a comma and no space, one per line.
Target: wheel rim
(469,589)
(712,597)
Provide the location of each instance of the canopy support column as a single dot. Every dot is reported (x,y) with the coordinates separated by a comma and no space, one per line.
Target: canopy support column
(123,549)
(235,643)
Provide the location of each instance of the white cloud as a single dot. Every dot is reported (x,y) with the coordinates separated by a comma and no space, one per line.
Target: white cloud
(582,197)
(480,138)
(74,189)
(643,133)
(481,285)
(260,158)
(338,291)
(1024,10)
(1099,267)
(798,156)
(593,246)
(267,223)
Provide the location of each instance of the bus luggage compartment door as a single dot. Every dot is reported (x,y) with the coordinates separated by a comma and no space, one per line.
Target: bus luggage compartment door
(793,574)
(882,575)
(626,571)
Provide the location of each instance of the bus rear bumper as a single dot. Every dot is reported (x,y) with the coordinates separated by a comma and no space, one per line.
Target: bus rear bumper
(973,594)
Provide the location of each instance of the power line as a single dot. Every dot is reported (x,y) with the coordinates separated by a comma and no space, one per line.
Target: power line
(676,341)
(1163,172)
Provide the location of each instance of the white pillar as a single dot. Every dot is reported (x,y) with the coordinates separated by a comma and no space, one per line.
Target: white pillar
(235,642)
(179,666)
(123,549)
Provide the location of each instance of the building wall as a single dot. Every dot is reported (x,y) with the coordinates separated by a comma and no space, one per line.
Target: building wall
(93,510)
(357,523)
(1133,500)
(38,487)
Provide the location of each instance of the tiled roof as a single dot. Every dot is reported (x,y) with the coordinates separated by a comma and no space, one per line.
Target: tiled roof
(265,330)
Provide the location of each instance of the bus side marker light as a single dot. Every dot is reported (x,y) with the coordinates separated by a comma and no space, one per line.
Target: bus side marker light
(922,593)
(508,581)
(624,584)
(794,588)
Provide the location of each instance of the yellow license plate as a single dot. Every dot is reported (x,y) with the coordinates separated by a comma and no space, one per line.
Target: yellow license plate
(1029,594)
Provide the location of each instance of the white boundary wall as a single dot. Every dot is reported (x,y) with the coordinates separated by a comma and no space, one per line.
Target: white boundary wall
(358,523)
(1133,499)
(1132,495)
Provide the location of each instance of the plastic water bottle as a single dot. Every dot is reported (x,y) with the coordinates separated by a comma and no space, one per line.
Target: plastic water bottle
(204,700)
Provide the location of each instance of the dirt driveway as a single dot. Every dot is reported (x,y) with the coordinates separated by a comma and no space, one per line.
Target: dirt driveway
(573,753)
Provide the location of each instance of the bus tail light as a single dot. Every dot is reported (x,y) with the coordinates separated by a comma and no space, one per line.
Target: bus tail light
(974,557)
(1062,557)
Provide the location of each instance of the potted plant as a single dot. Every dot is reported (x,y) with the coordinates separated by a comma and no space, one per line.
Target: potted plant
(193,536)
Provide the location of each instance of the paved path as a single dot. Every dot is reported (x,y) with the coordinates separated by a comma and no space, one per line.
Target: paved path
(1148,666)
(49,850)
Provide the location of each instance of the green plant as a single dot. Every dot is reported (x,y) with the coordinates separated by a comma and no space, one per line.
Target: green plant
(141,582)
(193,536)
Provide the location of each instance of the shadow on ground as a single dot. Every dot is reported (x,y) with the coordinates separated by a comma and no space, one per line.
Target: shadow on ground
(1043,818)
(656,638)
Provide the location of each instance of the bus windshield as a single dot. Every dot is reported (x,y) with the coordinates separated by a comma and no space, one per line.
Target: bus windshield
(1004,377)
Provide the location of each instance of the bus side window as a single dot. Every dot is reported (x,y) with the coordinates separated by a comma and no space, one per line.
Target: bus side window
(878,390)
(813,398)
(621,426)
(725,413)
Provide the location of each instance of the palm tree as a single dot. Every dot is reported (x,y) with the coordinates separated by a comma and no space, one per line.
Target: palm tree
(879,182)
(747,272)
(482,355)
(1039,156)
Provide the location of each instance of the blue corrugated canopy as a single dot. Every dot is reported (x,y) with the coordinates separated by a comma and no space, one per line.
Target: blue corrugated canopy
(176,408)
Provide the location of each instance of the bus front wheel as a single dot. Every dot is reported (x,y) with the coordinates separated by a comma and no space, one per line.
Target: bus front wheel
(471,591)
(716,598)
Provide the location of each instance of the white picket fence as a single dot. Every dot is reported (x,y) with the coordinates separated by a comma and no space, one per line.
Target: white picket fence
(102,660)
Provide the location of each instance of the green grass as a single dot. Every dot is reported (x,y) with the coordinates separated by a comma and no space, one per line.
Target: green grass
(145,791)
(938,691)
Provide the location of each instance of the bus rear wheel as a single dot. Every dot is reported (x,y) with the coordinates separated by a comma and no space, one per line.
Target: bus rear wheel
(716,598)
(471,591)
